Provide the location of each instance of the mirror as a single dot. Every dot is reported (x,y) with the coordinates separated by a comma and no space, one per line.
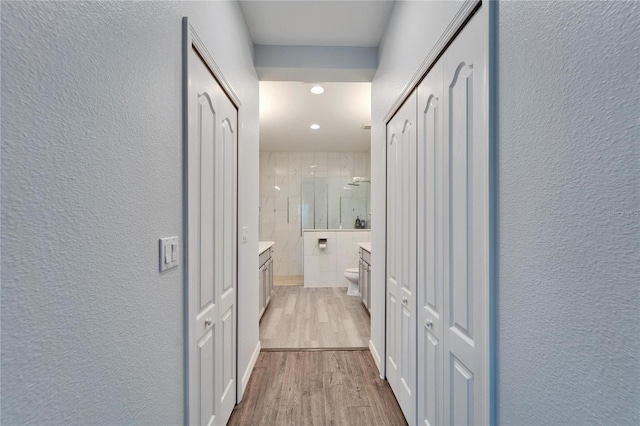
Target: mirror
(336,203)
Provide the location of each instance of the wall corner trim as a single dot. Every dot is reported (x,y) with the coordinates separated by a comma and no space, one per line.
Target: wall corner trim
(194,40)
(376,357)
(247,373)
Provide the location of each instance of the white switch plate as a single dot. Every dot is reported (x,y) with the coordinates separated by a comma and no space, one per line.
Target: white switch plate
(245,234)
(169,254)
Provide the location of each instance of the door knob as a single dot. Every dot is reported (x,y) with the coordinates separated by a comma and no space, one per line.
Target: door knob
(405,300)
(208,322)
(429,323)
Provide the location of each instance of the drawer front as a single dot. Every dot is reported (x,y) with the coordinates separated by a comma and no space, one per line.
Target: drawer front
(264,257)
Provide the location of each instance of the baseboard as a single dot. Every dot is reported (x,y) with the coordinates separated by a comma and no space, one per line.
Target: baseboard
(247,373)
(376,356)
(325,285)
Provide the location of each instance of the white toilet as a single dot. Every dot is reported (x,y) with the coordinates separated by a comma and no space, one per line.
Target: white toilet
(353,275)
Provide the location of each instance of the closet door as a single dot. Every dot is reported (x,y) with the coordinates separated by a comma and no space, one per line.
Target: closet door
(430,248)
(466,228)
(401,256)
(211,246)
(226,260)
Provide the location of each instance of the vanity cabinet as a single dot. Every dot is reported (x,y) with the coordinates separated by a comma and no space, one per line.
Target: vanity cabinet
(365,277)
(265,280)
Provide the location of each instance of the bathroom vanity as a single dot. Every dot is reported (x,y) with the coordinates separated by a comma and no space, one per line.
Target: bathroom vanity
(265,274)
(365,274)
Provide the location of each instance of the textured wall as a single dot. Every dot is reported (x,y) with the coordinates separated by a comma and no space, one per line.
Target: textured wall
(92,333)
(413,30)
(568,213)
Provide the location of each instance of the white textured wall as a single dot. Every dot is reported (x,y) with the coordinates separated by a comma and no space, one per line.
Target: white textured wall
(414,27)
(92,333)
(568,213)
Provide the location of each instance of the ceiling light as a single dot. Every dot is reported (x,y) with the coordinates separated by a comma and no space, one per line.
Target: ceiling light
(317,90)
(277,188)
(314,166)
(315,126)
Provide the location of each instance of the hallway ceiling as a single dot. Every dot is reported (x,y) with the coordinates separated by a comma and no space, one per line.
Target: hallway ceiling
(287,109)
(317,23)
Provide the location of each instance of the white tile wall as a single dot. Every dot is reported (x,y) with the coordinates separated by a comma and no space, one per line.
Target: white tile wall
(286,170)
(325,267)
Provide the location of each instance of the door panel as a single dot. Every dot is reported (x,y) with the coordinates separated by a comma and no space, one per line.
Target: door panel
(401,270)
(261,289)
(211,246)
(466,228)
(206,135)
(205,368)
(461,398)
(430,254)
(453,235)
(460,118)
(226,213)
(392,247)
(430,410)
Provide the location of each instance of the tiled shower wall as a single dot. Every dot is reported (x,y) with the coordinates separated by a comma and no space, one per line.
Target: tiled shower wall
(281,176)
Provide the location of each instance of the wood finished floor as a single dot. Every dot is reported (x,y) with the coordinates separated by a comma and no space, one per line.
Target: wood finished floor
(317,388)
(283,280)
(304,318)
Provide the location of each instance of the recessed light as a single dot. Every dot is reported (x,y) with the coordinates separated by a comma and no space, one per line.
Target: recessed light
(277,188)
(314,126)
(314,166)
(317,90)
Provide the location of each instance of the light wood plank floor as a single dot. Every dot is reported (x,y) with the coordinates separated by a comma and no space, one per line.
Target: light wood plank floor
(304,318)
(317,388)
(288,280)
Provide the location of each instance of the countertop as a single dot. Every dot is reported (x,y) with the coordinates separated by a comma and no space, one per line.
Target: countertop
(264,245)
(366,246)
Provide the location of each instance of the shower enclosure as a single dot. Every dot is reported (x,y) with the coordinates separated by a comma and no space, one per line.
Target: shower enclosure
(336,202)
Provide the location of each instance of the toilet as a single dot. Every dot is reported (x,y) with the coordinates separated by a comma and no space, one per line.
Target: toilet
(353,275)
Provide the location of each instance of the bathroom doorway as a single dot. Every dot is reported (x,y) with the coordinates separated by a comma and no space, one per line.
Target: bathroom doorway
(315,213)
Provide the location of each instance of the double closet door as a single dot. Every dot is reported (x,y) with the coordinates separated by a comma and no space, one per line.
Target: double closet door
(439,337)
(211,168)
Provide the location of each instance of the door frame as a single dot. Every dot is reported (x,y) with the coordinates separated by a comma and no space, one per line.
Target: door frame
(191,39)
(488,11)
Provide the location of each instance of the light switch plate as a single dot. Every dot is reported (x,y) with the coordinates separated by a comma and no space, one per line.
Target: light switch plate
(245,234)
(169,254)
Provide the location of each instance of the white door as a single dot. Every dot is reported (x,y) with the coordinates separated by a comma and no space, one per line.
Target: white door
(211,246)
(430,249)
(466,228)
(401,256)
